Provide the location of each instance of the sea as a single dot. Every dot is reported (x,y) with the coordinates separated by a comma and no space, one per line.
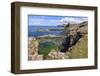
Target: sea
(35,31)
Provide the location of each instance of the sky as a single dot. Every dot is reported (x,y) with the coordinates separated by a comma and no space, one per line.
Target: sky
(41,20)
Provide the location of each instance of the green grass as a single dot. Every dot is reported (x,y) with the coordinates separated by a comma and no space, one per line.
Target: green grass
(80,50)
(46,47)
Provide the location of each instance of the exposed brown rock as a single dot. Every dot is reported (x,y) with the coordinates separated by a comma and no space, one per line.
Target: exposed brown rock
(32,45)
(35,57)
(33,49)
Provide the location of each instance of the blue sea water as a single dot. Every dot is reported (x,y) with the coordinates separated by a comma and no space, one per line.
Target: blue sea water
(33,31)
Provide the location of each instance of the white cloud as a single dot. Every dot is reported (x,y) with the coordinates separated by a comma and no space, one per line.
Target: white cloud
(73,20)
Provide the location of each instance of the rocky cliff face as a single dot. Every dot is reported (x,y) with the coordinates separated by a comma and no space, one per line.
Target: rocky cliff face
(73,33)
(83,28)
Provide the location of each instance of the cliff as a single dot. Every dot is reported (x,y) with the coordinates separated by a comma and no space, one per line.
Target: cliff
(73,33)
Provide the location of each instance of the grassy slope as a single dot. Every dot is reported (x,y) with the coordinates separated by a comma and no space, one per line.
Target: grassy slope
(80,50)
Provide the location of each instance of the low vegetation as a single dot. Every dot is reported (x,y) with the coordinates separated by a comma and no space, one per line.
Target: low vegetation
(80,50)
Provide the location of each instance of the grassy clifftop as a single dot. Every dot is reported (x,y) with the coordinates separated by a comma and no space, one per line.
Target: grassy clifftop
(80,50)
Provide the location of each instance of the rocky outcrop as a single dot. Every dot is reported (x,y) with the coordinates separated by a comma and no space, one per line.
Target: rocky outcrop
(33,49)
(32,45)
(35,56)
(56,55)
(73,33)
(83,28)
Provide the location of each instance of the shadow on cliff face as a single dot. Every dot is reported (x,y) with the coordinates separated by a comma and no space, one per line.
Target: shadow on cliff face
(73,34)
(70,41)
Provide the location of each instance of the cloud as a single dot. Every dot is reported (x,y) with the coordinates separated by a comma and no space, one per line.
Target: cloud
(73,19)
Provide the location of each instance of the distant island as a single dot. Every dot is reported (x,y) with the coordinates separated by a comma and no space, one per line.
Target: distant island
(42,30)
